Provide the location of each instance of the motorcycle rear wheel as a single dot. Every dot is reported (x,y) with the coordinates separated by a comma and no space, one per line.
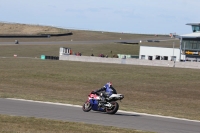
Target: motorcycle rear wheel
(113,109)
(86,107)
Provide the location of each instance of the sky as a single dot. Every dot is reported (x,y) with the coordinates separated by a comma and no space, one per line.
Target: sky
(127,16)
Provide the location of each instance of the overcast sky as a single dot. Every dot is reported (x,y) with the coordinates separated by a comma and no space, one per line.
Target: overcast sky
(132,16)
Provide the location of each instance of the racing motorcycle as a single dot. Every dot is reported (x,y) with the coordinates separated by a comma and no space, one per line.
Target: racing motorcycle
(110,105)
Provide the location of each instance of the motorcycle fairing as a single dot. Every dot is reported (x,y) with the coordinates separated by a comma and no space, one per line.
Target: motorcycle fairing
(95,106)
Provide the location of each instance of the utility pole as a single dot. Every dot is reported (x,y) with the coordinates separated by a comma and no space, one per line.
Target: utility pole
(184,50)
(173,55)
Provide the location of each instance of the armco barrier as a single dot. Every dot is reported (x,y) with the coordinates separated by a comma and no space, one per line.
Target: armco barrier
(131,61)
(35,36)
(23,36)
(52,57)
(46,57)
(63,34)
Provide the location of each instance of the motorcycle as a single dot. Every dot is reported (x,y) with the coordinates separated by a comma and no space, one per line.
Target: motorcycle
(110,105)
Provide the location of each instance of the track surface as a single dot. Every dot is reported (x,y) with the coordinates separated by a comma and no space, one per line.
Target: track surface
(74,113)
(90,42)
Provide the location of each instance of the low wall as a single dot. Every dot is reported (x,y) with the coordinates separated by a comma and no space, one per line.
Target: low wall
(131,61)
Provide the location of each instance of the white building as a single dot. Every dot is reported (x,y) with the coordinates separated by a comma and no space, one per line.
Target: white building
(190,43)
(65,51)
(189,48)
(160,53)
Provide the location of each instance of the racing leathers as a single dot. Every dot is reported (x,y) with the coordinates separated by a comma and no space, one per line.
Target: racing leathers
(105,92)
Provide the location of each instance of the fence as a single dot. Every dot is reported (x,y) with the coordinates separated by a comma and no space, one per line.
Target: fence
(46,57)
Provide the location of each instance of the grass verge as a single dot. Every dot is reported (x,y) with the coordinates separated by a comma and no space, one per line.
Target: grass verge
(12,124)
(155,90)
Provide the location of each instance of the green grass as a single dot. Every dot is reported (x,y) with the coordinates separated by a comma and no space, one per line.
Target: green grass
(86,49)
(155,90)
(14,124)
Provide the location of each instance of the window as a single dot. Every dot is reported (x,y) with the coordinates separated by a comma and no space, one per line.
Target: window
(165,57)
(142,57)
(190,45)
(173,58)
(157,57)
(150,57)
(195,28)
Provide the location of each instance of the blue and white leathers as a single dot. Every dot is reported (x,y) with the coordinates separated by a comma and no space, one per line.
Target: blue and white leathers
(109,91)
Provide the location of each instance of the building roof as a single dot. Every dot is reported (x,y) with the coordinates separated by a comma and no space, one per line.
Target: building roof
(191,35)
(196,24)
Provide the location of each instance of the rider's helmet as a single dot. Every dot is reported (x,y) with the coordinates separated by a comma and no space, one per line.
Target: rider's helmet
(109,84)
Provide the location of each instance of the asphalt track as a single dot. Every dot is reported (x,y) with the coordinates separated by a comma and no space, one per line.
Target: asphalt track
(91,42)
(121,119)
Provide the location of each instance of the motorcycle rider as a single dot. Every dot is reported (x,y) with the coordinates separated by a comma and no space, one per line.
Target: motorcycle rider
(105,92)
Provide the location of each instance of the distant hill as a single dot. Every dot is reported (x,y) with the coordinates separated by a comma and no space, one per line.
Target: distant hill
(22,29)
(78,35)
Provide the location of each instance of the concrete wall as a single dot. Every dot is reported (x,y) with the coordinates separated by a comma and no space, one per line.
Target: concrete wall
(131,61)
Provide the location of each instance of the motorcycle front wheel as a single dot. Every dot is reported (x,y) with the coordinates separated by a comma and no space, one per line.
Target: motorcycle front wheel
(86,107)
(113,109)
